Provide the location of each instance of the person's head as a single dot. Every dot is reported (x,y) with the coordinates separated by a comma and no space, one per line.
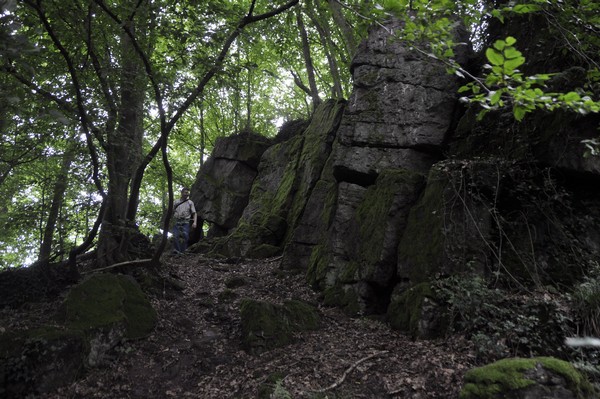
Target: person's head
(185,192)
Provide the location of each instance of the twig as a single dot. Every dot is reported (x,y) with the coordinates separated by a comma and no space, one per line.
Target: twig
(129,262)
(348,371)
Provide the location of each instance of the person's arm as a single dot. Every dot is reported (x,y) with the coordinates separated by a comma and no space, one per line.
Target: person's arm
(194,214)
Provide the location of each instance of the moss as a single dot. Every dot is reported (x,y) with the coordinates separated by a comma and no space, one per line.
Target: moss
(404,311)
(107,299)
(421,248)
(345,297)
(507,375)
(348,273)
(316,148)
(318,265)
(374,212)
(302,316)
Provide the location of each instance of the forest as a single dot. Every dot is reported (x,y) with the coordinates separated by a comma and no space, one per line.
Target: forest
(445,157)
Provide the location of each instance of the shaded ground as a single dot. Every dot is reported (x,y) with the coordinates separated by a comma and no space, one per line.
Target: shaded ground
(195,351)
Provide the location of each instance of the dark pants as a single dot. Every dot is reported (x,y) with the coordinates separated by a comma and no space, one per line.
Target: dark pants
(181,234)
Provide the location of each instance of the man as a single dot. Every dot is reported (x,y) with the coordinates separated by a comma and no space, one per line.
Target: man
(183,212)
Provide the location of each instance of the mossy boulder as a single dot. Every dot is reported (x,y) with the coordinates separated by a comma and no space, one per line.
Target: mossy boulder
(97,314)
(108,308)
(345,297)
(266,326)
(106,300)
(535,378)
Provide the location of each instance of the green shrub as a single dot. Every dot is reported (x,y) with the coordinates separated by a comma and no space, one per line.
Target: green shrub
(501,323)
(585,302)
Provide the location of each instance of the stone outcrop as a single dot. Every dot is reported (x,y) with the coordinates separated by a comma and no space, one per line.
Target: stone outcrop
(222,186)
(400,186)
(397,120)
(287,174)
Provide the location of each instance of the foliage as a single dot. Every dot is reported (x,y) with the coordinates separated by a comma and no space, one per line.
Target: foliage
(499,323)
(585,301)
(433,28)
(56,85)
(506,85)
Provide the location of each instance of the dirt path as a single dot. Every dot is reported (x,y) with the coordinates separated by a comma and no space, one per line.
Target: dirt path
(195,351)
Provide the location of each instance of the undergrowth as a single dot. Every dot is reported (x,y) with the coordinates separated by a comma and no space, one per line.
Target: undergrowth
(501,323)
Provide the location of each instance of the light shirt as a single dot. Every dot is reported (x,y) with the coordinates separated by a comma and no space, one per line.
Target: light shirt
(183,211)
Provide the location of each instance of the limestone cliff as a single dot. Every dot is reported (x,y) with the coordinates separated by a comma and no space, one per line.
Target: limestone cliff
(401,185)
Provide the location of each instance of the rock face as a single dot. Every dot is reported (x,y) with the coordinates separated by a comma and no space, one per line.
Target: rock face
(400,186)
(395,124)
(220,192)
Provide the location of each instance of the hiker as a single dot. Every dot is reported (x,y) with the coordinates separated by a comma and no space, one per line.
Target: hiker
(183,212)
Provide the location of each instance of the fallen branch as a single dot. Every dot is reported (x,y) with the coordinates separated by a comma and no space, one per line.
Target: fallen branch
(127,263)
(348,371)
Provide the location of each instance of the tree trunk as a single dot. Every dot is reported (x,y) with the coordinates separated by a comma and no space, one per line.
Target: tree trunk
(60,186)
(124,153)
(310,70)
(325,39)
(345,28)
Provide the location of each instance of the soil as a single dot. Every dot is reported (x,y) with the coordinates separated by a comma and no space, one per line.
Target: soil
(195,352)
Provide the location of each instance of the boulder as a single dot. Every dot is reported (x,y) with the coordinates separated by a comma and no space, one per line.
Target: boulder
(97,315)
(535,378)
(222,186)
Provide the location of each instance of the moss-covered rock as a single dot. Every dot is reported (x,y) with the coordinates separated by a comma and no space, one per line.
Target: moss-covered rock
(451,225)
(541,377)
(344,296)
(106,300)
(415,311)
(266,326)
(381,218)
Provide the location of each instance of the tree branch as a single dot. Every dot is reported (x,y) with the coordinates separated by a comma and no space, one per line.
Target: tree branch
(340,381)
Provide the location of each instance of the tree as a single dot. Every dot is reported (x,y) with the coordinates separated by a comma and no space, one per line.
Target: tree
(130,81)
(109,75)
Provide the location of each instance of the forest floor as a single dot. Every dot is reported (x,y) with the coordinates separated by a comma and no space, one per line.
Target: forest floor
(195,351)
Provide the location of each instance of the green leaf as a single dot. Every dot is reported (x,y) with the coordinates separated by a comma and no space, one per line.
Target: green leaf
(498,14)
(494,57)
(519,112)
(499,45)
(495,97)
(510,41)
(514,63)
(525,8)
(511,52)
(571,97)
